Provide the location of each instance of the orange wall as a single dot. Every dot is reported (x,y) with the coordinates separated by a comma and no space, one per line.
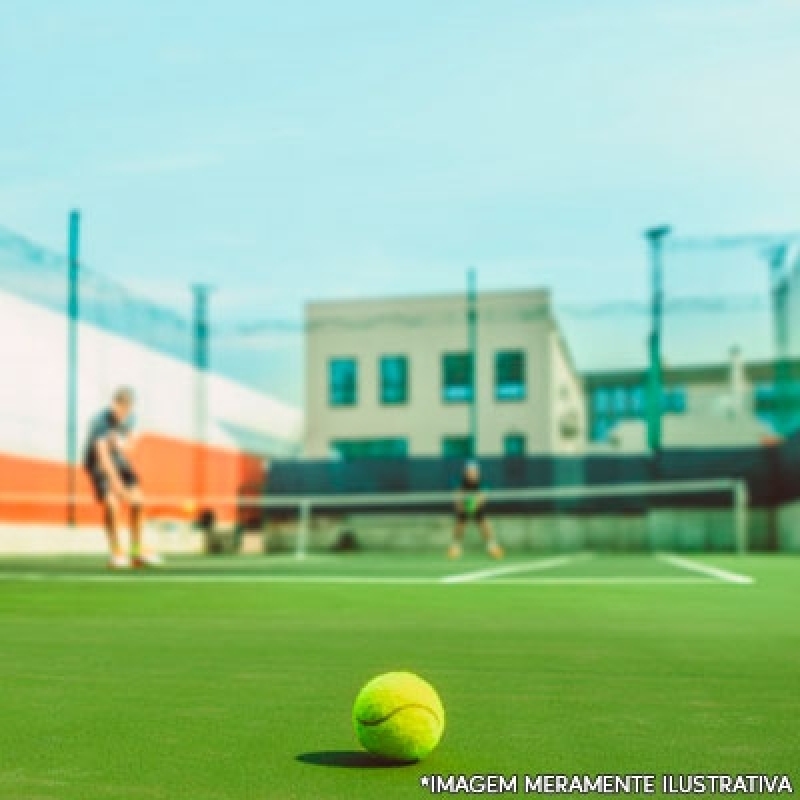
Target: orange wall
(167,468)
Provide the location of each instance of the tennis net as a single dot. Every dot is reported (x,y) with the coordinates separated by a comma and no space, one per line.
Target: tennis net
(690,516)
(636,517)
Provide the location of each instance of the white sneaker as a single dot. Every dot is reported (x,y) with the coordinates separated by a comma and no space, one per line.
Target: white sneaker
(119,561)
(148,561)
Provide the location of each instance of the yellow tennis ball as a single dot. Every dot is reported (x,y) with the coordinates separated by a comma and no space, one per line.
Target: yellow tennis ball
(189,507)
(399,717)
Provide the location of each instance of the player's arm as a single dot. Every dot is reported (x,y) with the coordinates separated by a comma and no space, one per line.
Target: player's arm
(103,450)
(125,442)
(459,499)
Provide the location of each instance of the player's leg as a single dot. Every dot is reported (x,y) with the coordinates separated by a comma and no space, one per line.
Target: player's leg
(136,508)
(118,558)
(487,531)
(457,544)
(142,557)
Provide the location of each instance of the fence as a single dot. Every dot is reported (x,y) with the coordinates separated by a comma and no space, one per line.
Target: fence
(772,474)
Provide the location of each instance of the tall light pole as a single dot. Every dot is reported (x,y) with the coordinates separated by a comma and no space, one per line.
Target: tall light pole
(73,319)
(655,238)
(201,358)
(780,288)
(472,344)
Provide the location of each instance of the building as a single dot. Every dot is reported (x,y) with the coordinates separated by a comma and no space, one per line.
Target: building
(717,405)
(393,377)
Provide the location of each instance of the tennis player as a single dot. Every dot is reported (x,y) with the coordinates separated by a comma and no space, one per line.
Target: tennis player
(470,505)
(115,482)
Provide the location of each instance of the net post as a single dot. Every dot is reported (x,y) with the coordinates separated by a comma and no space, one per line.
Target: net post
(740,509)
(304,529)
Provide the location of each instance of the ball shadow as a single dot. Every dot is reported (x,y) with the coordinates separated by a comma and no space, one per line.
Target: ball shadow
(347,759)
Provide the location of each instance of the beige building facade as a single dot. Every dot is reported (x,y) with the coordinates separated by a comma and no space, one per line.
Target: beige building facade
(393,377)
(728,404)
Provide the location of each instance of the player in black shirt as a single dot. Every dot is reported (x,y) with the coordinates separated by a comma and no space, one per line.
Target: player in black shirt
(470,504)
(115,481)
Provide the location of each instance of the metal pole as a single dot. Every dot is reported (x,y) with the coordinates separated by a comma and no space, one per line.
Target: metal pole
(73,316)
(472,343)
(741,502)
(780,290)
(304,529)
(201,359)
(655,238)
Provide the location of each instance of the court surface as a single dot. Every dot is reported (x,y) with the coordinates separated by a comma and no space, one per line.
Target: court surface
(233,677)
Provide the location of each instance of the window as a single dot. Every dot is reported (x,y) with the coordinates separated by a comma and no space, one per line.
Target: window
(601,427)
(766,397)
(457,377)
(515,444)
(457,446)
(353,449)
(674,400)
(394,380)
(600,398)
(637,401)
(342,382)
(509,375)
(620,402)
(778,405)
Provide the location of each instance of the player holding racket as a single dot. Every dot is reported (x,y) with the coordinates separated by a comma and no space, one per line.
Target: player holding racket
(115,481)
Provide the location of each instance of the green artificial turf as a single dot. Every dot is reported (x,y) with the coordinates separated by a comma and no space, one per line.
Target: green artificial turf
(213,691)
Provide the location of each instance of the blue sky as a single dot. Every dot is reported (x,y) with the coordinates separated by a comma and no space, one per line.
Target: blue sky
(318,149)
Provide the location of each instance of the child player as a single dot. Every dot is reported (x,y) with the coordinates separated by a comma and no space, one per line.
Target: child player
(470,504)
(115,482)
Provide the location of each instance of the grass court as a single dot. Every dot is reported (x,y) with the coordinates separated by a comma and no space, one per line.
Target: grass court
(233,677)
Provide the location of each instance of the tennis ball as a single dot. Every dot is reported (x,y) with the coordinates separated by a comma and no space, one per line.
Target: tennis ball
(399,717)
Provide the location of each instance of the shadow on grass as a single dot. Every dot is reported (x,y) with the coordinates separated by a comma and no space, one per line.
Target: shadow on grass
(347,759)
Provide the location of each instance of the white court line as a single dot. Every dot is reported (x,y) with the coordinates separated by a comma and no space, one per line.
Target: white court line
(623,580)
(284,559)
(143,580)
(705,569)
(529,566)
(351,580)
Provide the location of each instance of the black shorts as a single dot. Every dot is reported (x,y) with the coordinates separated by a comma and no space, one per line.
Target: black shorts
(101,483)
